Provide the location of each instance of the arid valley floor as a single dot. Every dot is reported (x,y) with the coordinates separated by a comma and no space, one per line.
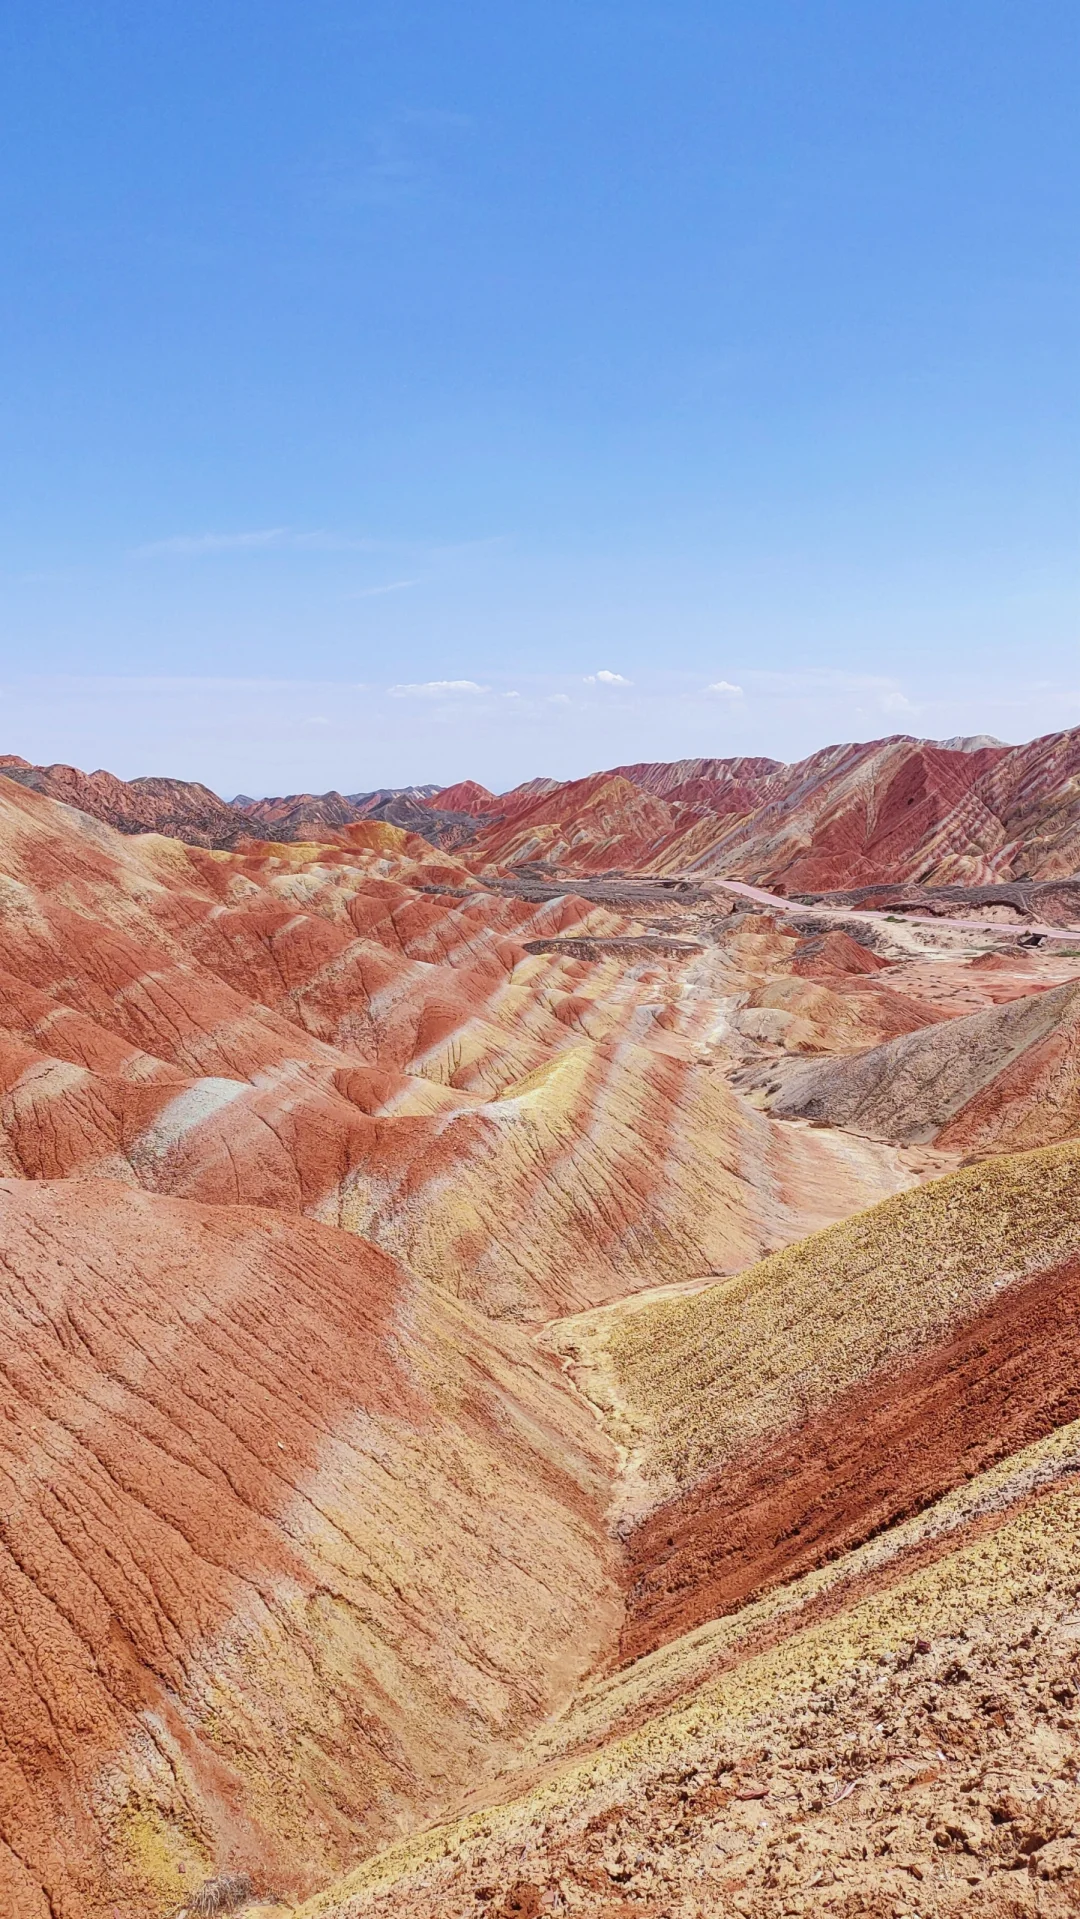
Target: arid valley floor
(540,1344)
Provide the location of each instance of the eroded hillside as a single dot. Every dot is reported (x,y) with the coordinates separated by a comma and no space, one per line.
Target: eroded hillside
(480,1346)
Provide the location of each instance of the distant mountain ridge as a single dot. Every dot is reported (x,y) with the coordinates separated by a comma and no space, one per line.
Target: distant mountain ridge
(897,809)
(964,811)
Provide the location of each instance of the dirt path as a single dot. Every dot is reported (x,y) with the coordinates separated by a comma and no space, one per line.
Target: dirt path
(779,905)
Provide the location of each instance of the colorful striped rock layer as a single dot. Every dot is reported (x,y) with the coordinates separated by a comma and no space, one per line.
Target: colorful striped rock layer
(520,1396)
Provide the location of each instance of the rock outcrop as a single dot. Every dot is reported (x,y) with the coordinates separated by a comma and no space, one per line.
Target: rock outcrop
(181,808)
(848,1680)
(272,1519)
(997,1081)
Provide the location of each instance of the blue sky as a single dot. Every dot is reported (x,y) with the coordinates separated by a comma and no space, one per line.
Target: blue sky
(412,391)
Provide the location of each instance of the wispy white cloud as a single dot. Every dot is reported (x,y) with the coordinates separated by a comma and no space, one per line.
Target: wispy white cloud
(435,689)
(261,539)
(725,686)
(373,592)
(266,536)
(604,678)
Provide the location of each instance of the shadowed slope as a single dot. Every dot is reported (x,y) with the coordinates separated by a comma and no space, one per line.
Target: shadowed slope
(998,1081)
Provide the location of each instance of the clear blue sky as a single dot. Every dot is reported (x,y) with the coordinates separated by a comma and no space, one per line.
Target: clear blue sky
(352,347)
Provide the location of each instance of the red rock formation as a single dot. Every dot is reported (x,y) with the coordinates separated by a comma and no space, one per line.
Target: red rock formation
(302,1534)
(893,810)
(997,1081)
(180,808)
(465,797)
(896,809)
(294,1028)
(240,1547)
(299,815)
(885,1449)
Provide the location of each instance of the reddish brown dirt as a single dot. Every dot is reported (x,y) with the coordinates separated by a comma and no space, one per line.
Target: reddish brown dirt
(168,1374)
(824,955)
(884,1450)
(227,1477)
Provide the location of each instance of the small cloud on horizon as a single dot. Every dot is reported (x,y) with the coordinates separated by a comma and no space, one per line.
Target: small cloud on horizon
(725,686)
(434,689)
(604,678)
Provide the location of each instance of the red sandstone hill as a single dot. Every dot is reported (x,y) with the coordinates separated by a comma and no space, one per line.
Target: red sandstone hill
(182,809)
(465,797)
(890,811)
(320,1521)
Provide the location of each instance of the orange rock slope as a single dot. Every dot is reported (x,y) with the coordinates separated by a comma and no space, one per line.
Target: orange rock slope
(273,1512)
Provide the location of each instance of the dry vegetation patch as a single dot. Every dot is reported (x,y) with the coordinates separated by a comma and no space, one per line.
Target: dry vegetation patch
(704,1376)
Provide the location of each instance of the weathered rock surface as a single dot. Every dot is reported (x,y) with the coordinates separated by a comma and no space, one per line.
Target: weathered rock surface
(997,1081)
(856,816)
(848,816)
(852,1666)
(274,1517)
(181,808)
(297,1029)
(750,1583)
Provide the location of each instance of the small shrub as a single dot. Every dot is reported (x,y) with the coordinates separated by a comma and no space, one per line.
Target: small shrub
(223,1894)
